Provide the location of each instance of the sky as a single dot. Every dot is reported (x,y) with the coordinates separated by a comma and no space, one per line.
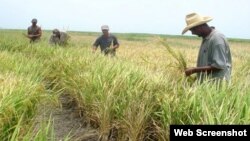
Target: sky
(231,17)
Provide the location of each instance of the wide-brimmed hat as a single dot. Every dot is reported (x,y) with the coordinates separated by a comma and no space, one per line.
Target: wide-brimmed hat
(105,27)
(195,19)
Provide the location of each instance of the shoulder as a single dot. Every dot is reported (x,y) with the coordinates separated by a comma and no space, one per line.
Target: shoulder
(218,38)
(64,36)
(38,27)
(218,34)
(112,36)
(63,33)
(99,37)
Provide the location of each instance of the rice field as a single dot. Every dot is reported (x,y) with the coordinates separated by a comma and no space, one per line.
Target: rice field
(134,96)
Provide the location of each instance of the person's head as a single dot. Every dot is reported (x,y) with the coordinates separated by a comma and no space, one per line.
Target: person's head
(105,30)
(201,30)
(34,21)
(56,32)
(197,24)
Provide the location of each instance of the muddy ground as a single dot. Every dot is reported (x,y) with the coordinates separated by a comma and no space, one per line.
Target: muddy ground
(67,121)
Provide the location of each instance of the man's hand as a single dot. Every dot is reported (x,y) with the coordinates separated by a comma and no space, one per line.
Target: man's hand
(190,71)
(29,36)
(115,46)
(94,49)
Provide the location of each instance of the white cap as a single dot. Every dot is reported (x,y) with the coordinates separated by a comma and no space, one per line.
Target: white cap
(105,27)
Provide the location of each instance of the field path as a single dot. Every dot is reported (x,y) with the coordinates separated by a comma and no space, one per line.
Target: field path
(66,121)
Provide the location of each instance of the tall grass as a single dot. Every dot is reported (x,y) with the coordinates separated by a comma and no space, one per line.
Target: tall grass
(179,57)
(134,96)
(18,100)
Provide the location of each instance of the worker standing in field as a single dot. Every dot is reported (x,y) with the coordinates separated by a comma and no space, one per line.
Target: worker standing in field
(105,42)
(214,58)
(34,31)
(58,38)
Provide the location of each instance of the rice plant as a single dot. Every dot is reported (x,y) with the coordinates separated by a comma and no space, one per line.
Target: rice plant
(134,96)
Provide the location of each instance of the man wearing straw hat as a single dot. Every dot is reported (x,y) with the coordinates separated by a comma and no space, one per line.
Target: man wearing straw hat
(214,58)
(105,41)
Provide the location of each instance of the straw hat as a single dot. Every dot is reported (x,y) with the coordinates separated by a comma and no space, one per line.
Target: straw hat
(195,19)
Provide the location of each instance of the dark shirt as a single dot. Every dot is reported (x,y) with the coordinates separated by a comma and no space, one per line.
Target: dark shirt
(34,30)
(215,52)
(106,42)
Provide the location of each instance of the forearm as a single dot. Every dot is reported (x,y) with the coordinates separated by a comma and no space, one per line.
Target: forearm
(116,46)
(207,69)
(94,48)
(37,35)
